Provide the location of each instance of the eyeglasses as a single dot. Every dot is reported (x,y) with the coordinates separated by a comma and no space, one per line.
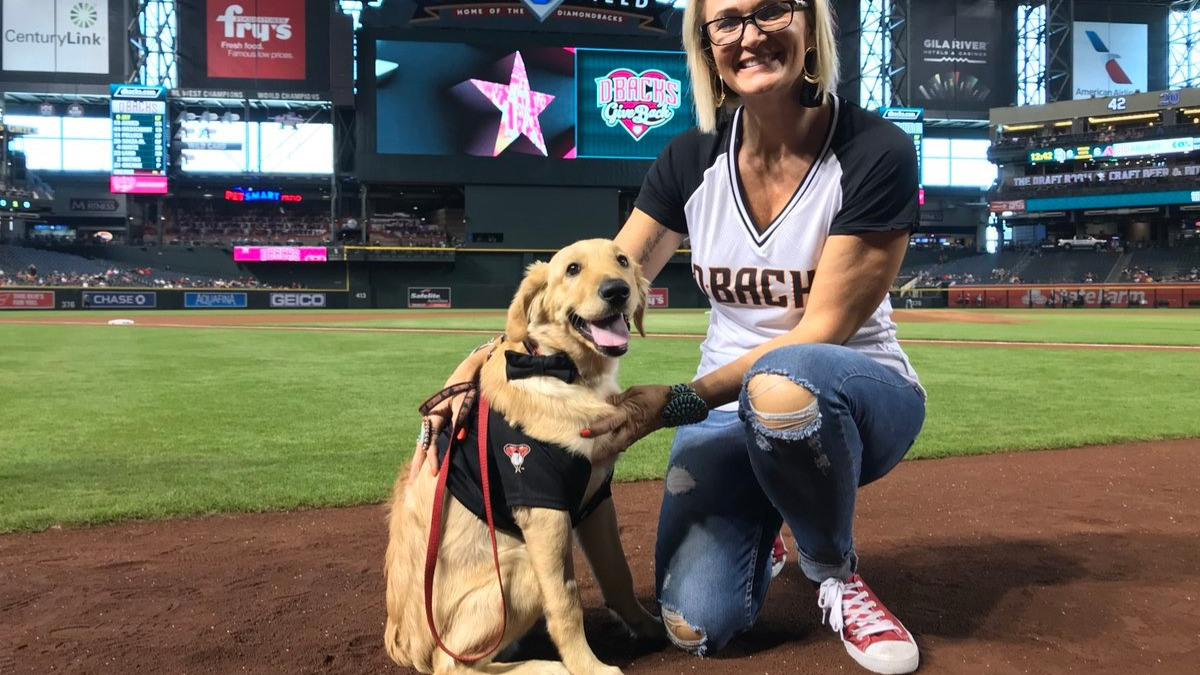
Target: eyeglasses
(769,19)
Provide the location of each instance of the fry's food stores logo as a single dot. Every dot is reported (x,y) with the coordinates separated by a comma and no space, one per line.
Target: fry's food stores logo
(638,102)
(260,28)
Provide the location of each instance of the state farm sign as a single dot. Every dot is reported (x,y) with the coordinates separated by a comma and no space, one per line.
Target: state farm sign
(256,39)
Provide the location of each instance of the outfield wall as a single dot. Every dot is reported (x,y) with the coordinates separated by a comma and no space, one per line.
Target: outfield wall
(141,299)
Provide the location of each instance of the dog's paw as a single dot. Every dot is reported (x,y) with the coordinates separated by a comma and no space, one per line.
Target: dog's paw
(641,624)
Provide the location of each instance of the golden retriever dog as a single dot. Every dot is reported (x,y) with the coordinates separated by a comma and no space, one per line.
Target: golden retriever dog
(578,303)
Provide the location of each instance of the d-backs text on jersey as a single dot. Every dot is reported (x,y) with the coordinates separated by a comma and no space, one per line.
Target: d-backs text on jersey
(755,286)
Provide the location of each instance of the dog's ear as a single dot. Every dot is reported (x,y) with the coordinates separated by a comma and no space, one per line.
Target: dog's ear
(639,314)
(537,276)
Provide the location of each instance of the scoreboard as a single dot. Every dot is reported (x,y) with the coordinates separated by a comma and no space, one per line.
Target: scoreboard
(912,122)
(140,137)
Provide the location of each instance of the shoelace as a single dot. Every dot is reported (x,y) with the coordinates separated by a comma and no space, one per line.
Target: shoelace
(851,605)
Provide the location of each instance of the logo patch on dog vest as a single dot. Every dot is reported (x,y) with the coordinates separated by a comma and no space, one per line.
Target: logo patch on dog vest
(516,454)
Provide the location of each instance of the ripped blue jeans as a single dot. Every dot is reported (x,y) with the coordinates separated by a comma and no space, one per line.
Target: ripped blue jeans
(731,482)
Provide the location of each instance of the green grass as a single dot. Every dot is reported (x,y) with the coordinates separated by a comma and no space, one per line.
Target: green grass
(100,424)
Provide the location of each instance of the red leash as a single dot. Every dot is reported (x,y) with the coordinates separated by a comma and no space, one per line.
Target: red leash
(435,526)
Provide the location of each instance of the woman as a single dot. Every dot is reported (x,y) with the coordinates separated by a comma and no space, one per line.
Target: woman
(798,206)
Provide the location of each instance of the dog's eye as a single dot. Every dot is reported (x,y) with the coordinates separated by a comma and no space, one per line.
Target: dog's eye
(573,269)
(622,261)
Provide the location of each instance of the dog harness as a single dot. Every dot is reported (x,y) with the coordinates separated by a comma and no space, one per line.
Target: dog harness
(532,473)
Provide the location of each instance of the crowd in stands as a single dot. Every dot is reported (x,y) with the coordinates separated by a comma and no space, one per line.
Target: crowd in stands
(257,227)
(1107,135)
(115,277)
(1149,275)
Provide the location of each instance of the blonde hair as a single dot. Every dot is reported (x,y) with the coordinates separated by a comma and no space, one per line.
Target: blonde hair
(703,73)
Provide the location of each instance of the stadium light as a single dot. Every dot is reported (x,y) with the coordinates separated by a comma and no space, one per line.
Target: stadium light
(1063,123)
(1022,127)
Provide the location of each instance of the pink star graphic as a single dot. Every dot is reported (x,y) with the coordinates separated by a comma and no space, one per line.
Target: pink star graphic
(519,108)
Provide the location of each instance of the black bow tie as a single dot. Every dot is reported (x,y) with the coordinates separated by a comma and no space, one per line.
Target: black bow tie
(518,366)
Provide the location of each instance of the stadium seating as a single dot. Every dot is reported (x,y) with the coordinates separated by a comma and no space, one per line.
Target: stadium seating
(1069,267)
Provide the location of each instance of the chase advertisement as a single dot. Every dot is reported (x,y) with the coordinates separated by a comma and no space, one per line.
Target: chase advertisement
(1110,59)
(570,16)
(557,103)
(120,300)
(956,59)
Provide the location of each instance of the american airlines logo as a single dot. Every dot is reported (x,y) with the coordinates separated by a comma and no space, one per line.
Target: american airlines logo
(239,26)
(1111,65)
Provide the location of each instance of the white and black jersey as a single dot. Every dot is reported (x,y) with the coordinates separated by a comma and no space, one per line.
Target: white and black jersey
(863,180)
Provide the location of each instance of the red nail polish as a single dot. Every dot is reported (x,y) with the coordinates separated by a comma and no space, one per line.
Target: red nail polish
(586,433)
(462,434)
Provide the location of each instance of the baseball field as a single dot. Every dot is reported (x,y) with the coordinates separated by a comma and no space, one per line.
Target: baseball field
(165,491)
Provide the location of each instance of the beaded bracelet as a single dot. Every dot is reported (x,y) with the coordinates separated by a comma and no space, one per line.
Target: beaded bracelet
(684,406)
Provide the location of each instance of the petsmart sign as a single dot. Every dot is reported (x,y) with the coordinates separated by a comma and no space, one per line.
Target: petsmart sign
(630,102)
(119,299)
(429,298)
(213,300)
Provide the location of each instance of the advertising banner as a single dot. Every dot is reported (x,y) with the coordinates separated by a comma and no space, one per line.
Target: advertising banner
(120,299)
(269,49)
(429,298)
(26,299)
(658,298)
(96,203)
(298,301)
(1110,59)
(214,300)
(56,36)
(260,39)
(279,254)
(630,103)
(1124,177)
(571,16)
(958,58)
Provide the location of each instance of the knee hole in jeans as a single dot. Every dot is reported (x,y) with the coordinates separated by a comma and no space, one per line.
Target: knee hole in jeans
(780,404)
(682,633)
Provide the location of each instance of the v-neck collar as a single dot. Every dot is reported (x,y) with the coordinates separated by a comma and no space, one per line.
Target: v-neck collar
(739,190)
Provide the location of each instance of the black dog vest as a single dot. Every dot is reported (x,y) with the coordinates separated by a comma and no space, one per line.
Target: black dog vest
(522,471)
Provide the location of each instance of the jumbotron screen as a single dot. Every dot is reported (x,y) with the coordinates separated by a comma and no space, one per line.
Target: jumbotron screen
(553,102)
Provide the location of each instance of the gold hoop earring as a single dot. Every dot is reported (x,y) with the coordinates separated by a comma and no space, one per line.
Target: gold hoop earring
(808,73)
(810,91)
(721,98)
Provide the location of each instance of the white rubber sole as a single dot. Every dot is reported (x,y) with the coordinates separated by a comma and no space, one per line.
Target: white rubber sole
(884,666)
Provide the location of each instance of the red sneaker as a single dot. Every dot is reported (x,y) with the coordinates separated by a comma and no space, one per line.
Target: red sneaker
(873,636)
(778,555)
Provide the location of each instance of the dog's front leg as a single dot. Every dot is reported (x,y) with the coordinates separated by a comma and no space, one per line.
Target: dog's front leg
(600,540)
(547,535)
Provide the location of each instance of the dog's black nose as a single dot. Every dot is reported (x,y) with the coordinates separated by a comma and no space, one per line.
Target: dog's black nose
(614,291)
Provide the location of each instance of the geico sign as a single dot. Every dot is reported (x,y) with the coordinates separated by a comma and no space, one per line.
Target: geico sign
(309,300)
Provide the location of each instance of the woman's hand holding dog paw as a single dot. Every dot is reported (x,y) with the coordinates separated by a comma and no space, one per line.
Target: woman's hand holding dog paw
(638,414)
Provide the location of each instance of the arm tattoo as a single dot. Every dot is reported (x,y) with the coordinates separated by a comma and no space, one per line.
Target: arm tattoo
(651,245)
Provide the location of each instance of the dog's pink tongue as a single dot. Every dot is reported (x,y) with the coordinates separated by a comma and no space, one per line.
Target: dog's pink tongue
(614,333)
